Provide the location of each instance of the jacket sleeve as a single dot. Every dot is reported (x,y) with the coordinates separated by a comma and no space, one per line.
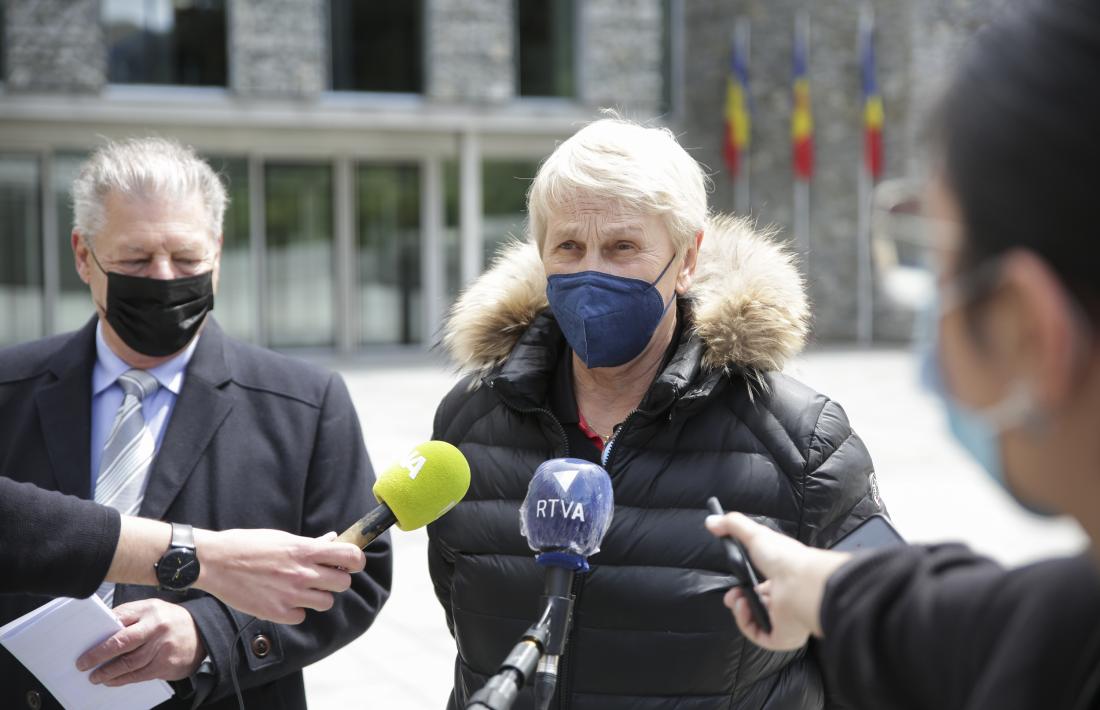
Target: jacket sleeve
(51,543)
(440,555)
(839,487)
(335,493)
(910,627)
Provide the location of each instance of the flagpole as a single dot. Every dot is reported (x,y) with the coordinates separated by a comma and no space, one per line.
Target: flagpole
(865,310)
(802,185)
(742,200)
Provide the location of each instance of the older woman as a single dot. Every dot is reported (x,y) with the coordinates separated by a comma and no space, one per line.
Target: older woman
(633,331)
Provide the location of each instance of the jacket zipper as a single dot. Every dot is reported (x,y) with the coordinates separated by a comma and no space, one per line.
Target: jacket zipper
(578,583)
(608,449)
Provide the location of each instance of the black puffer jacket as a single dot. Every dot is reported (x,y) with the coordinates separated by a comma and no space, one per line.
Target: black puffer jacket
(649,630)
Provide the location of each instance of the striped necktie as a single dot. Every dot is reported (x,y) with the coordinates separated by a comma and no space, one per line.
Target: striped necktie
(127,455)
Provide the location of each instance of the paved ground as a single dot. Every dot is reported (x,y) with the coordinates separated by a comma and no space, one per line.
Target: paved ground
(933,491)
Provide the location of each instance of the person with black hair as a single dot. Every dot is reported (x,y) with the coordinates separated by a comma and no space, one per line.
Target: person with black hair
(1016,363)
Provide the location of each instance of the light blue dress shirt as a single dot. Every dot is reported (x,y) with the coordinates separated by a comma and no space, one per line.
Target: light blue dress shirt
(107,395)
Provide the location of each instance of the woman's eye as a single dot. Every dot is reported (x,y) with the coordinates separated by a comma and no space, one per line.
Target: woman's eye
(624,246)
(567,245)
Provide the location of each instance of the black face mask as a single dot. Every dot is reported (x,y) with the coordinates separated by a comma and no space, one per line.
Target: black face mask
(158,317)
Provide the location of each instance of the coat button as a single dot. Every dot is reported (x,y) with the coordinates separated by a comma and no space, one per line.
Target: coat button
(261,646)
(34,700)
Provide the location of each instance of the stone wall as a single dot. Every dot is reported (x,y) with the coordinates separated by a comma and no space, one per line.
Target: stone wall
(470,49)
(278,47)
(916,44)
(54,46)
(621,55)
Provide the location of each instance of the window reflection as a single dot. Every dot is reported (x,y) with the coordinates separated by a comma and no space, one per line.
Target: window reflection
(545,47)
(377,45)
(20,249)
(452,255)
(180,42)
(74,301)
(300,287)
(235,305)
(505,202)
(389,296)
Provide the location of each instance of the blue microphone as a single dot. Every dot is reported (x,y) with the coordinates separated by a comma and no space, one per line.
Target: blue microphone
(566,513)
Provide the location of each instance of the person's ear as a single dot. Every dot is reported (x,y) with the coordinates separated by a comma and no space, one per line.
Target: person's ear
(1046,328)
(687,270)
(81,257)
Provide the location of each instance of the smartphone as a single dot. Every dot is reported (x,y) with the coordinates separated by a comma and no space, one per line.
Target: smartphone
(742,569)
(873,533)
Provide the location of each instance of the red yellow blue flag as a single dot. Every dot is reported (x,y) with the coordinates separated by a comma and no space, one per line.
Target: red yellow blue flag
(872,101)
(802,120)
(737,126)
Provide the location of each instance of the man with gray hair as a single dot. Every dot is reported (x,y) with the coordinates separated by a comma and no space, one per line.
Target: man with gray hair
(151,409)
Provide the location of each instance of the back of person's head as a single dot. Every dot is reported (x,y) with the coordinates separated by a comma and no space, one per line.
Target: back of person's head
(617,160)
(149,167)
(1019,131)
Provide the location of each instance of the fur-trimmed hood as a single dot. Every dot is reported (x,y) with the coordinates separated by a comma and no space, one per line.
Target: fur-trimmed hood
(748,303)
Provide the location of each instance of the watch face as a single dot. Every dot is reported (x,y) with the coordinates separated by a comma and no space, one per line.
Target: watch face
(178,568)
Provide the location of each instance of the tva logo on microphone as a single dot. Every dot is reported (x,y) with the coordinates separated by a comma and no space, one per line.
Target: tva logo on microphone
(568,507)
(561,507)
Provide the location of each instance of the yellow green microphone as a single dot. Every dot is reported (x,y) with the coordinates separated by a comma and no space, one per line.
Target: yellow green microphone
(430,480)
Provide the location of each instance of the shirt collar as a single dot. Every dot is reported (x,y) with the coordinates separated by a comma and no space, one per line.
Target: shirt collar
(108,366)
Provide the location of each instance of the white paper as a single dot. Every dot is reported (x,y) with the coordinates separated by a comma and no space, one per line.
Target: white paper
(49,639)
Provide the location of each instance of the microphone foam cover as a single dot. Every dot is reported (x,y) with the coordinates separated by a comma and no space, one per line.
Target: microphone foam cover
(568,508)
(428,482)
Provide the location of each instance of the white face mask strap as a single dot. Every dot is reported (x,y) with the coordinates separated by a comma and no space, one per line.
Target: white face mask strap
(1016,410)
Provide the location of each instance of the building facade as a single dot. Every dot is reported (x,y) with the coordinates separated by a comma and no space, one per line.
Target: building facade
(376,153)
(917,45)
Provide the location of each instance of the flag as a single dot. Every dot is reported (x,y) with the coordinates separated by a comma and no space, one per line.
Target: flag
(737,129)
(872,101)
(802,120)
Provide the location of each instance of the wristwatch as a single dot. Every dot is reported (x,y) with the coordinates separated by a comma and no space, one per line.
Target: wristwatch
(178,567)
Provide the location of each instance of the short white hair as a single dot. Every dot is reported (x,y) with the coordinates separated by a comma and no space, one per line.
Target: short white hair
(622,161)
(144,167)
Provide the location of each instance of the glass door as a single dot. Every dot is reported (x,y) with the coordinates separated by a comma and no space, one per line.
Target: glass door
(300,267)
(388,293)
(20,249)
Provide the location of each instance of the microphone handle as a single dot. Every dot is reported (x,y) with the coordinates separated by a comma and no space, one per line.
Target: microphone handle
(501,691)
(558,602)
(369,527)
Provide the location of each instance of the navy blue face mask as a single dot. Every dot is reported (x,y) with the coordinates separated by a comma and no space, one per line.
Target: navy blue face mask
(608,320)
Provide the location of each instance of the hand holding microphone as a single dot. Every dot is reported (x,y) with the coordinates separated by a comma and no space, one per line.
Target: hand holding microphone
(415,491)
